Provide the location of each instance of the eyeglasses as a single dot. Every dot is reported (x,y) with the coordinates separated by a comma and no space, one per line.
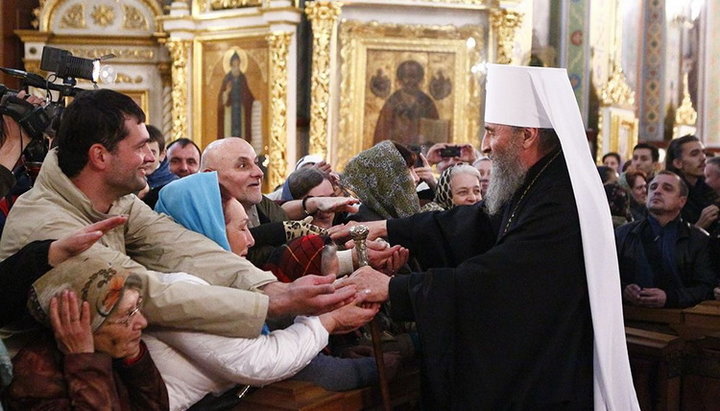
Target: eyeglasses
(128,318)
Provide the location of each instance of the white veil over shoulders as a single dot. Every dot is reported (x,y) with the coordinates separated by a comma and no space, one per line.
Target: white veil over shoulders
(543,98)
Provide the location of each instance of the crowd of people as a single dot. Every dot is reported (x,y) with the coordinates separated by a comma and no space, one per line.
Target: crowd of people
(666,217)
(137,275)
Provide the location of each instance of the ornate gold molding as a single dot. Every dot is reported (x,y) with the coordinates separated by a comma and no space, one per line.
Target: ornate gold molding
(179,52)
(504,24)
(471,2)
(617,91)
(128,79)
(323,16)
(232,4)
(74,17)
(103,15)
(120,53)
(44,13)
(279,43)
(133,19)
(685,114)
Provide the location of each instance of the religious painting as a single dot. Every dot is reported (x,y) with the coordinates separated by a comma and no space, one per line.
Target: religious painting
(231,83)
(409,83)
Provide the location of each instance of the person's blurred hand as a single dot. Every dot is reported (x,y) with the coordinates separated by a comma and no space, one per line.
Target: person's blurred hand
(349,317)
(369,281)
(631,294)
(79,241)
(425,173)
(308,295)
(652,297)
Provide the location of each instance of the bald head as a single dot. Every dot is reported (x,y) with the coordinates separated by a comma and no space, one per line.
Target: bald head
(234,160)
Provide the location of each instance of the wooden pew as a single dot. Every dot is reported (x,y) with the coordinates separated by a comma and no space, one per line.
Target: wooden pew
(656,364)
(305,396)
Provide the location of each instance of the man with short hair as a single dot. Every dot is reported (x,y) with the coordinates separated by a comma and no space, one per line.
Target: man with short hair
(664,261)
(184,157)
(100,160)
(645,158)
(519,311)
(612,160)
(158,172)
(686,157)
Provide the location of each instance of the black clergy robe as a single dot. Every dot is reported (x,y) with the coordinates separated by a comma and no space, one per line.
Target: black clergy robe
(504,326)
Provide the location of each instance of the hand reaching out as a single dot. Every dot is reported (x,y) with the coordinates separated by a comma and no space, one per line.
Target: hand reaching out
(79,241)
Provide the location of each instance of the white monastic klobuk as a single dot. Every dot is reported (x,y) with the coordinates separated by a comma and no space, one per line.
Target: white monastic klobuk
(543,98)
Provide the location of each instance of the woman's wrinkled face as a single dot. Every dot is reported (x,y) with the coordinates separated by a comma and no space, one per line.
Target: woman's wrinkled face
(236,227)
(119,336)
(465,189)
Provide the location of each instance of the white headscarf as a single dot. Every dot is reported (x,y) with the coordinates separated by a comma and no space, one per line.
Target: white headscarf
(543,98)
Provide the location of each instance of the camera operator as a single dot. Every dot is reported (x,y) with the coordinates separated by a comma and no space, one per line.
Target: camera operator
(13,140)
(444,155)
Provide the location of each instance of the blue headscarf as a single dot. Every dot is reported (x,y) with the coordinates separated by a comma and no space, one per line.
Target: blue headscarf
(195,203)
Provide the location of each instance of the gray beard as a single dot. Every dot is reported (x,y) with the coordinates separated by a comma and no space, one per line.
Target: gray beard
(508,175)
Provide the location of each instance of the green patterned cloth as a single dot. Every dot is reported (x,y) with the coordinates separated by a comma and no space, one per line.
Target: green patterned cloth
(380,178)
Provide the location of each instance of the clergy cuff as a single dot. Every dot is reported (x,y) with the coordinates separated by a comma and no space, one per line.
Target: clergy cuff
(399,294)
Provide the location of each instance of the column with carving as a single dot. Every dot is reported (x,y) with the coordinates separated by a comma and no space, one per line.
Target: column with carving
(323,16)
(279,43)
(504,24)
(179,52)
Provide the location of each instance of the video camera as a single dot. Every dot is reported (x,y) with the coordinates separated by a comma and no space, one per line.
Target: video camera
(40,120)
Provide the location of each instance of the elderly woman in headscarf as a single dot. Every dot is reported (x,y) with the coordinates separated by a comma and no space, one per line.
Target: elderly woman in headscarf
(458,185)
(383,179)
(194,364)
(96,358)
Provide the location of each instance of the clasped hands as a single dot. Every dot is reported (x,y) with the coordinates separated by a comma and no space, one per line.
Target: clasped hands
(644,297)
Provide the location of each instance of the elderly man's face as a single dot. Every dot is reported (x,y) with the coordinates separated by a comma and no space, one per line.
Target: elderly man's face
(238,172)
(664,195)
(503,144)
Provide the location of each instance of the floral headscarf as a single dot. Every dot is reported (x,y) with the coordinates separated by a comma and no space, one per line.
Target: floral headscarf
(379,176)
(93,280)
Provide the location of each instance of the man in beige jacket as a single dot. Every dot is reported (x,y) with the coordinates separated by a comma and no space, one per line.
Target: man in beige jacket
(97,165)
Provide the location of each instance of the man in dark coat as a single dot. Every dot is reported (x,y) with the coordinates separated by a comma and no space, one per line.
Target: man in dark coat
(504,317)
(664,261)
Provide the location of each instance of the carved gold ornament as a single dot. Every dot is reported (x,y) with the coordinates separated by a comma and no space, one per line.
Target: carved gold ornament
(179,52)
(103,16)
(120,53)
(232,4)
(685,114)
(504,24)
(617,91)
(279,43)
(74,17)
(323,16)
(133,18)
(128,79)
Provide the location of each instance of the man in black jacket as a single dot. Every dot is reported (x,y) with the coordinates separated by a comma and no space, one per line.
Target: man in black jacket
(664,261)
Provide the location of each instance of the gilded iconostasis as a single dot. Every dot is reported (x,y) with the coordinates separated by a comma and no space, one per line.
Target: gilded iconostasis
(296,77)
